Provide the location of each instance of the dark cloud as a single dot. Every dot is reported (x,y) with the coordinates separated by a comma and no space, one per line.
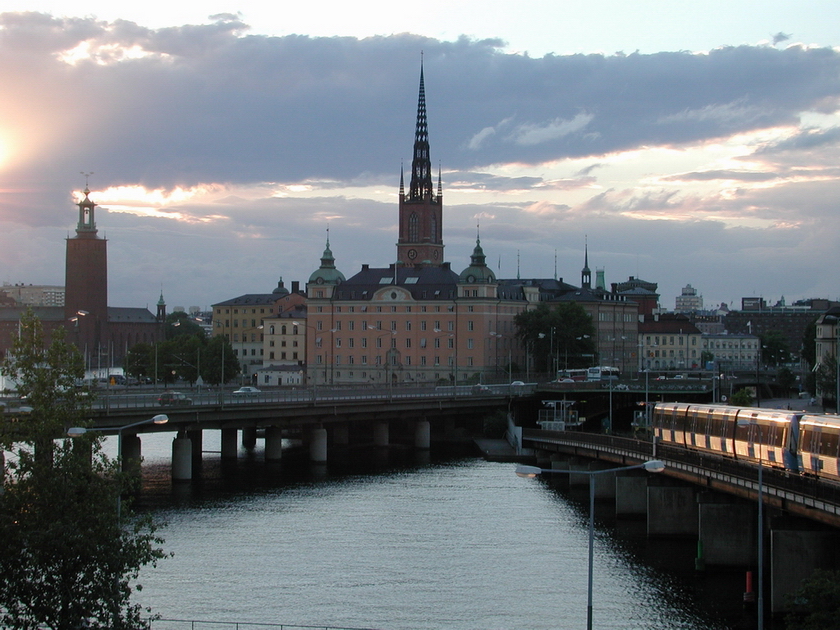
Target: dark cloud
(212,104)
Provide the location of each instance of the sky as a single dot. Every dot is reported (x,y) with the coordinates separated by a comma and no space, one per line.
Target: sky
(224,140)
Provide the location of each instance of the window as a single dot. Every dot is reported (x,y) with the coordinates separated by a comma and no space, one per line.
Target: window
(423,325)
(407,343)
(470,325)
(450,325)
(338,342)
(408,326)
(469,344)
(350,342)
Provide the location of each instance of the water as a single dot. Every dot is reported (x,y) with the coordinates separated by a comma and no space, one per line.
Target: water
(398,542)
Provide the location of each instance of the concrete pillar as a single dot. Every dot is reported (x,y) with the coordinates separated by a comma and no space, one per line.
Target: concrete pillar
(130,453)
(380,434)
(341,434)
(727,531)
(318,445)
(181,458)
(672,511)
(422,435)
(273,444)
(794,554)
(604,485)
(197,438)
(578,479)
(230,447)
(249,438)
(630,494)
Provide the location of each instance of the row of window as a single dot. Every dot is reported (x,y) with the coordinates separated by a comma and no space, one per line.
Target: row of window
(423,342)
(393,360)
(424,325)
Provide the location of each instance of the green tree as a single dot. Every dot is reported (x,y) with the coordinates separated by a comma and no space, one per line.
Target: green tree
(826,378)
(809,344)
(180,324)
(561,335)
(218,362)
(742,398)
(140,361)
(786,379)
(774,348)
(66,560)
(816,604)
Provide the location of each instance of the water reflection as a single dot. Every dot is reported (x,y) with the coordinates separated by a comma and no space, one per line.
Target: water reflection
(386,539)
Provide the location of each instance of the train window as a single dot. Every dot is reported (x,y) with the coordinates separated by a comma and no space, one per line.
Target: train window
(829,444)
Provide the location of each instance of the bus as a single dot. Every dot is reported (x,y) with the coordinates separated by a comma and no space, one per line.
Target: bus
(577,374)
(602,373)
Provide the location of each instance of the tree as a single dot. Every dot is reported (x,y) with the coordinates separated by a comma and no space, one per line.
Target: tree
(742,398)
(816,604)
(775,349)
(561,335)
(218,362)
(826,378)
(786,379)
(66,560)
(180,324)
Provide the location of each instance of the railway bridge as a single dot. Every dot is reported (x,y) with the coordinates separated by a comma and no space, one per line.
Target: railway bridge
(711,498)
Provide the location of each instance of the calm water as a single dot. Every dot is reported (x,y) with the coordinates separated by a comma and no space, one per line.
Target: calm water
(390,542)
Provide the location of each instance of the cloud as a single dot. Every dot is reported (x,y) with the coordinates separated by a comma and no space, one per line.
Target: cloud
(220,157)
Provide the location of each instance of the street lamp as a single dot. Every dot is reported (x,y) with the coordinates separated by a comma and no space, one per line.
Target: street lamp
(74,432)
(760,605)
(654,466)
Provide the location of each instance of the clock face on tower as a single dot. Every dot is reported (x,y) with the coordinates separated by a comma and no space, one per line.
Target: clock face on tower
(437,254)
(412,254)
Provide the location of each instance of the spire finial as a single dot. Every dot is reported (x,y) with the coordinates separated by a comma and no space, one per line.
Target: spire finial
(87,176)
(402,179)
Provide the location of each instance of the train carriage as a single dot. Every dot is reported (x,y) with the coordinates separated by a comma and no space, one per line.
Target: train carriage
(819,445)
(711,428)
(768,436)
(749,434)
(669,422)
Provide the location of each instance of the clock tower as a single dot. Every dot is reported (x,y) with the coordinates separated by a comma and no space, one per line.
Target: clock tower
(421,210)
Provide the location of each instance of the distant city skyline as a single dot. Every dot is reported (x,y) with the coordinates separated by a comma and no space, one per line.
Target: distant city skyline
(222,148)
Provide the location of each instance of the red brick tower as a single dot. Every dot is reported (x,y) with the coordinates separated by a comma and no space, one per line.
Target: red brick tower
(86,283)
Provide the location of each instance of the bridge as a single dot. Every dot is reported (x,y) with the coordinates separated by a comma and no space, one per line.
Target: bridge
(317,418)
(712,498)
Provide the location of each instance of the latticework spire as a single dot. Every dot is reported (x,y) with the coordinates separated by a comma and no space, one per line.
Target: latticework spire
(421,165)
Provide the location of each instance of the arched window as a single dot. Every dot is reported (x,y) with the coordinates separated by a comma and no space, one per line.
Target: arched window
(283,329)
(413,236)
(433,228)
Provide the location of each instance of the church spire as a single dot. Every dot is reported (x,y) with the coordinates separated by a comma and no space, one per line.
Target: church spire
(421,165)
(585,273)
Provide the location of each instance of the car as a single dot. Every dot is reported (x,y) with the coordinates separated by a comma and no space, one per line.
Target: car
(246,391)
(174,398)
(480,388)
(517,384)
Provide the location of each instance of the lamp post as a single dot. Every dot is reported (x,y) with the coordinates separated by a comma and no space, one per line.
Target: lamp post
(654,466)
(74,432)
(760,599)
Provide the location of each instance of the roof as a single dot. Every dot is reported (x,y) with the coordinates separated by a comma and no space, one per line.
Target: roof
(133,315)
(251,299)
(424,283)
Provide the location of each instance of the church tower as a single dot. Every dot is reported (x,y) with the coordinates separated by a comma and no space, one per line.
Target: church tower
(86,281)
(585,273)
(421,210)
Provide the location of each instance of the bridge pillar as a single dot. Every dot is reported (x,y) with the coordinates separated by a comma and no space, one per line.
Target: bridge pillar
(380,434)
(196,437)
(578,479)
(318,445)
(341,434)
(130,454)
(230,447)
(604,484)
(181,458)
(727,531)
(249,438)
(672,511)
(422,435)
(273,444)
(631,494)
(795,554)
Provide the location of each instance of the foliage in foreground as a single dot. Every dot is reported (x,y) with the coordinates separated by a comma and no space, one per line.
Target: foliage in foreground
(66,561)
(816,604)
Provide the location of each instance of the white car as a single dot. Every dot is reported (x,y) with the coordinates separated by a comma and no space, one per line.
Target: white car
(245,391)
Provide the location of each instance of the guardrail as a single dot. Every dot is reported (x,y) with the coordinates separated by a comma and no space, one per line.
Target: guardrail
(184,624)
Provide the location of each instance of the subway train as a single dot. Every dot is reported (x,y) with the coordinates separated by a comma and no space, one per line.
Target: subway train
(796,441)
